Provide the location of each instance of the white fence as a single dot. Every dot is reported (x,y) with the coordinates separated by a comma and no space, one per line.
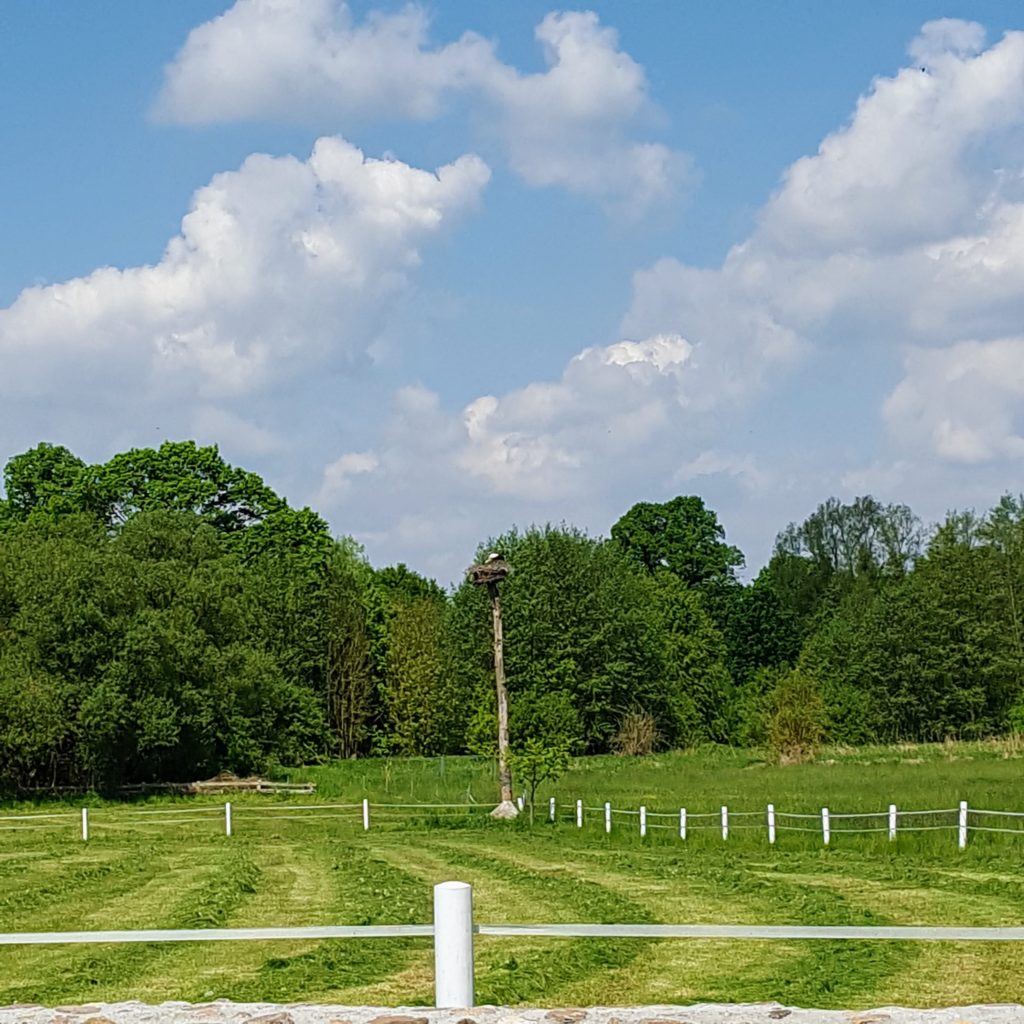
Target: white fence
(453,931)
(959,821)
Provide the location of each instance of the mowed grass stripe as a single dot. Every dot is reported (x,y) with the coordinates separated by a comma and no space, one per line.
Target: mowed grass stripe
(509,972)
(910,895)
(45,894)
(665,969)
(362,889)
(724,891)
(293,889)
(521,969)
(495,892)
(182,890)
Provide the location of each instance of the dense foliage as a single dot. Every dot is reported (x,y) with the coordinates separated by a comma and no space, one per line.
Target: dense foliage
(165,615)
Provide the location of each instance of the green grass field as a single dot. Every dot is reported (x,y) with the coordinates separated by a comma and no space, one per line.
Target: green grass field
(181,871)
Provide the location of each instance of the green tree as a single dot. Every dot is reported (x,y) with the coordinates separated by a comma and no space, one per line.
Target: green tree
(48,480)
(181,476)
(682,536)
(342,638)
(414,684)
(584,620)
(535,763)
(698,685)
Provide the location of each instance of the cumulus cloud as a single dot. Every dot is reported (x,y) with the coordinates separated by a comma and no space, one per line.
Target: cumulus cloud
(279,264)
(900,240)
(281,277)
(605,425)
(891,259)
(964,402)
(904,231)
(567,125)
(310,60)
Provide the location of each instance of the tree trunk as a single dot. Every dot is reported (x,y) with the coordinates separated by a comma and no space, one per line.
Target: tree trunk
(507,807)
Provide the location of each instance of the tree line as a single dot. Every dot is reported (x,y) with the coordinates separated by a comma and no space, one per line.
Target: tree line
(166,615)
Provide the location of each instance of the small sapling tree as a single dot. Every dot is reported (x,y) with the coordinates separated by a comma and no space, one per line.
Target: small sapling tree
(537,762)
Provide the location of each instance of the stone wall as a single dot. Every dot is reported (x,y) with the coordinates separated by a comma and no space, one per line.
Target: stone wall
(223,1012)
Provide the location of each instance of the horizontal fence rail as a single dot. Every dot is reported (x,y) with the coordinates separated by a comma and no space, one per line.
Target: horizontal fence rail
(453,930)
(897,933)
(890,933)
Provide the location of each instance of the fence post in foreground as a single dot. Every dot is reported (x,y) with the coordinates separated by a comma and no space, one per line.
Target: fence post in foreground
(682,822)
(962,830)
(551,809)
(85,824)
(892,822)
(579,814)
(227,818)
(366,814)
(826,832)
(771,824)
(643,821)
(725,822)
(453,945)
(607,816)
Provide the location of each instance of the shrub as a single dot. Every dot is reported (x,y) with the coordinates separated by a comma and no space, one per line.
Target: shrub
(796,723)
(637,734)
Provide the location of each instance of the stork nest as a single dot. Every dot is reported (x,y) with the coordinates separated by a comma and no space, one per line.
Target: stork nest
(488,572)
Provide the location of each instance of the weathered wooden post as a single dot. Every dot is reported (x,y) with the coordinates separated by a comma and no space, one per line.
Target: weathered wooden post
(490,573)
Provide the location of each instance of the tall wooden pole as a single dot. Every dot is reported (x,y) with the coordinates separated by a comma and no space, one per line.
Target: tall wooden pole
(507,807)
(491,572)
(504,775)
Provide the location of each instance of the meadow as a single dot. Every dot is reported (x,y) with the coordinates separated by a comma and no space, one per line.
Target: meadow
(179,870)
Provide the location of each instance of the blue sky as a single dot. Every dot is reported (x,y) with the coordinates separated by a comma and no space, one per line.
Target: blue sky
(744,250)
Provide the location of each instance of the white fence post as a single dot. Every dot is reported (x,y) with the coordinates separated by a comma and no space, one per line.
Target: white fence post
(579,814)
(725,822)
(643,821)
(892,822)
(826,831)
(85,824)
(366,814)
(682,822)
(607,817)
(227,818)
(551,809)
(453,945)
(771,824)
(962,830)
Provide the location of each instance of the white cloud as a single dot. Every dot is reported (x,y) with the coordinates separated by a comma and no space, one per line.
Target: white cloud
(900,242)
(944,36)
(278,266)
(965,402)
(914,165)
(906,228)
(338,475)
(901,238)
(568,125)
(310,60)
(279,282)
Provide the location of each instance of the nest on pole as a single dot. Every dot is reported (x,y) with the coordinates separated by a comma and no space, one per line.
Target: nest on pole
(493,570)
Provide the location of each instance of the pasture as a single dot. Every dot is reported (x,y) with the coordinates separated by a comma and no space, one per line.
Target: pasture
(180,870)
